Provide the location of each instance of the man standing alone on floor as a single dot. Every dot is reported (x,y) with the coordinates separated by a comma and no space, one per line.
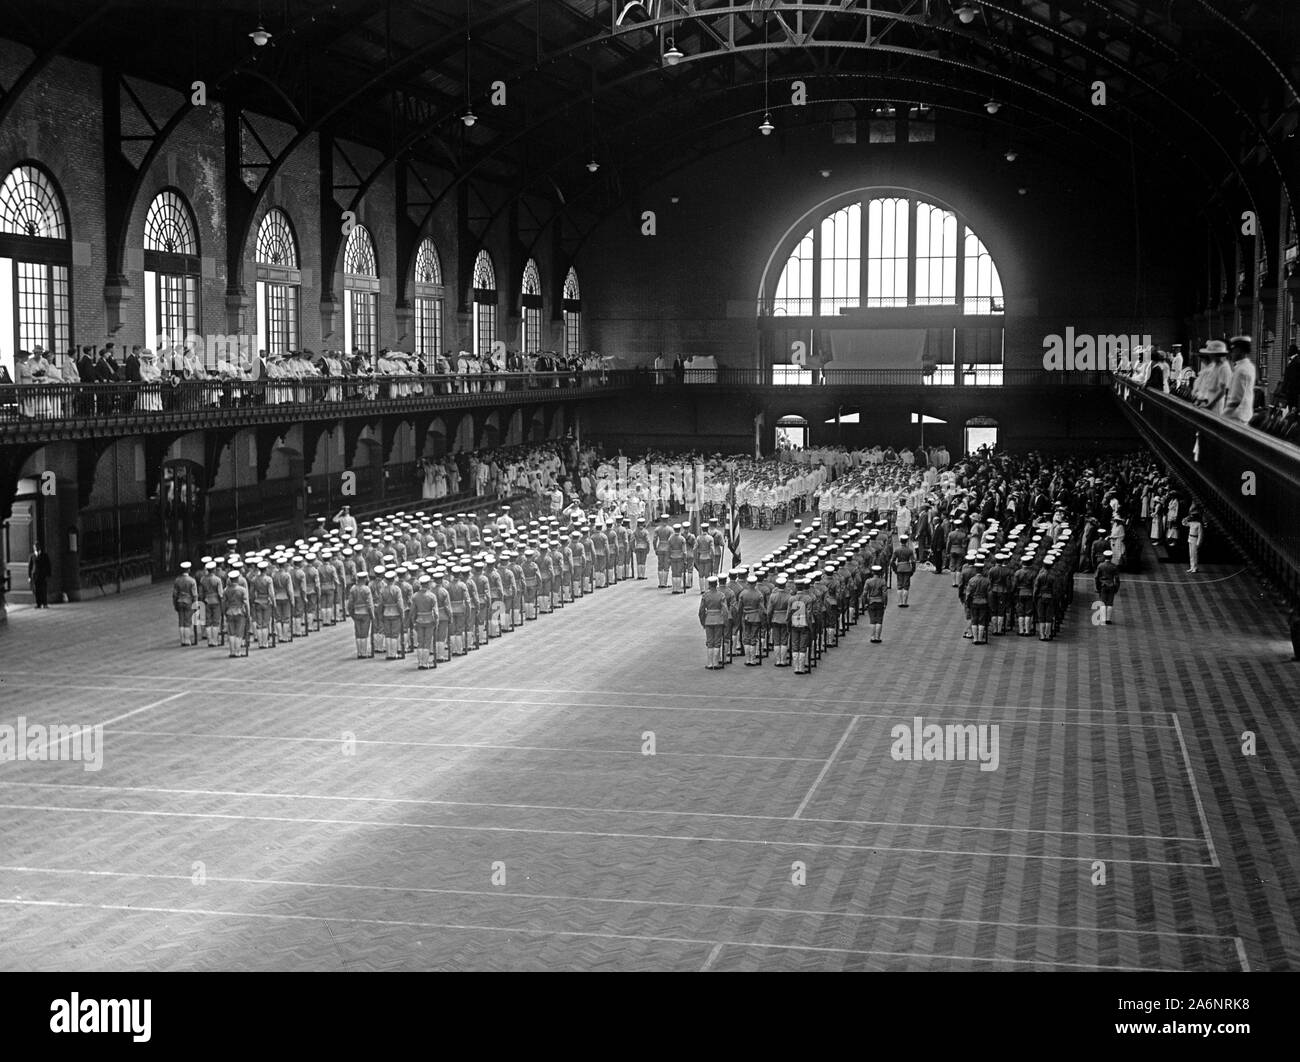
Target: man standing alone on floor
(38,575)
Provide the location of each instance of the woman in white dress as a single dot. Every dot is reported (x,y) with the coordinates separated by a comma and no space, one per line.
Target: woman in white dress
(427,488)
(151,383)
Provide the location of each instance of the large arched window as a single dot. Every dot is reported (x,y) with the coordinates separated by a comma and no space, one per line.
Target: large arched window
(485,303)
(883,279)
(278,284)
(900,251)
(531,303)
(360,293)
(572,306)
(171,270)
(35,256)
(428,301)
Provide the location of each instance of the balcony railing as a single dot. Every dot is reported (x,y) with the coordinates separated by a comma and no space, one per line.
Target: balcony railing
(81,407)
(34,404)
(1248,479)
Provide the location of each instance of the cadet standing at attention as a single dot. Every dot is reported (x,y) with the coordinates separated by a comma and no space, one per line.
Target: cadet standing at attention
(185,595)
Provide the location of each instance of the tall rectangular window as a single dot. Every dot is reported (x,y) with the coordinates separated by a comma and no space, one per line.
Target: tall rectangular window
(842,260)
(572,333)
(532,327)
(281,318)
(936,256)
(887,252)
(177,302)
(41,299)
(983,293)
(485,326)
(794,290)
(428,327)
(364,321)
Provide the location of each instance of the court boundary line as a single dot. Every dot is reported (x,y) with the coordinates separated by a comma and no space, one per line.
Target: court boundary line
(601,834)
(431,802)
(865,916)
(1196,792)
(825,768)
(713,956)
(46,678)
(470,745)
(470,928)
(448,703)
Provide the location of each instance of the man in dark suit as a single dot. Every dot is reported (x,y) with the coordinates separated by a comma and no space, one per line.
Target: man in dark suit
(131,370)
(38,575)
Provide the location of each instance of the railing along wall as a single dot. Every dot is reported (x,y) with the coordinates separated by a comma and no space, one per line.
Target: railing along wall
(1248,480)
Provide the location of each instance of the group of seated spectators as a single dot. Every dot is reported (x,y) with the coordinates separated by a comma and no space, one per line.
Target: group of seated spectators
(163,377)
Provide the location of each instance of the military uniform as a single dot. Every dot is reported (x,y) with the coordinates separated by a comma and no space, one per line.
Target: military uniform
(361,607)
(234,606)
(874,598)
(778,621)
(802,624)
(424,607)
(714,610)
(1107,583)
(663,532)
(211,588)
(677,559)
(749,602)
(262,592)
(978,591)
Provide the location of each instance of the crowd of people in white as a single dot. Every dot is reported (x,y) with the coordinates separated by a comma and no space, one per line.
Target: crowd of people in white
(276,378)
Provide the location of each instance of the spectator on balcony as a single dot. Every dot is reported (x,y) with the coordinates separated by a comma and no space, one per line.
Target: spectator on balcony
(1157,374)
(1239,401)
(86,364)
(1288,391)
(1215,387)
(151,378)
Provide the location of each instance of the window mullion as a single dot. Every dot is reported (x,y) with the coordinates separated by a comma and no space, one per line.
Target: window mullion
(817,271)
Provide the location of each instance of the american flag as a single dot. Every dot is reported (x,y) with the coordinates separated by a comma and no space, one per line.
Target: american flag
(733,528)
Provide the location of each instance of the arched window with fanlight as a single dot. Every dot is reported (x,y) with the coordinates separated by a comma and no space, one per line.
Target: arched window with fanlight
(428,301)
(361,293)
(279,283)
(883,278)
(572,306)
(531,302)
(35,257)
(485,303)
(171,270)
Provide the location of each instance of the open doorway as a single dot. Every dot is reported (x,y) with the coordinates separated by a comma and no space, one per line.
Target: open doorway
(791,433)
(980,432)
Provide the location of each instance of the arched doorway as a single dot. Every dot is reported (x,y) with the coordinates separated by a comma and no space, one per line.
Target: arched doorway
(980,431)
(23,529)
(791,433)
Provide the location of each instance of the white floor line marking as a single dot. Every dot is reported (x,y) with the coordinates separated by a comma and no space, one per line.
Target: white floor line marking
(1241,954)
(569,808)
(825,768)
(451,702)
(46,677)
(601,834)
(1196,792)
(713,957)
(499,894)
(470,928)
(212,735)
(106,722)
(1190,583)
